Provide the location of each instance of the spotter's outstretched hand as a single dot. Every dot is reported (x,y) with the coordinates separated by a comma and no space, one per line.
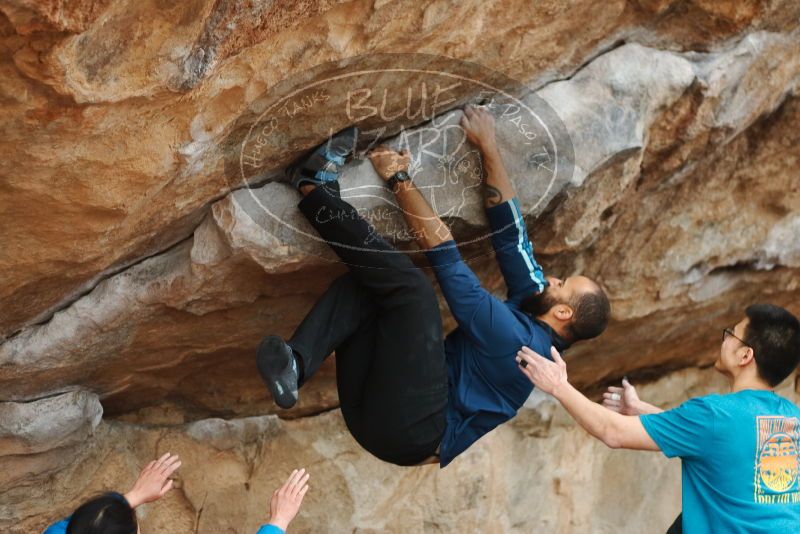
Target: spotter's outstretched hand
(286,500)
(153,482)
(623,399)
(545,374)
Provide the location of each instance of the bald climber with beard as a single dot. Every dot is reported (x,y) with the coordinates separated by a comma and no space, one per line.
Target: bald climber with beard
(485,389)
(407,396)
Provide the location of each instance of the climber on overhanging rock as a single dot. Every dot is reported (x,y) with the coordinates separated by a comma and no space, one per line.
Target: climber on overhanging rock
(740,452)
(407,395)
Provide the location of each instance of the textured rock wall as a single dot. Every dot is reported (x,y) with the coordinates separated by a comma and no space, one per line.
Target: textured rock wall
(137,276)
(539,473)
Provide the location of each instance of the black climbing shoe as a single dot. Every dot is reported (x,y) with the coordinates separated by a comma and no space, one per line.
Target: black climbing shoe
(322,165)
(278,369)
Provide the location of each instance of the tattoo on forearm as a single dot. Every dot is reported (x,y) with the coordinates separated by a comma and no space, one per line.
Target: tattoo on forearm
(493,195)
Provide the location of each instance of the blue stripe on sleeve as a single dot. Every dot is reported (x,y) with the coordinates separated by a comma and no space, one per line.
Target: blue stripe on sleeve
(514,251)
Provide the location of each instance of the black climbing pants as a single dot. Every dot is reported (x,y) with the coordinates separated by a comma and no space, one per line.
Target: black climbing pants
(382,320)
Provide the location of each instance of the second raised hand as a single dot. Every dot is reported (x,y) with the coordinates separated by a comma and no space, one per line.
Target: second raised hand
(153,482)
(478,125)
(286,500)
(479,128)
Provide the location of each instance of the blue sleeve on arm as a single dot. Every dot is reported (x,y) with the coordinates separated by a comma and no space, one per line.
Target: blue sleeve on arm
(58,528)
(270,529)
(685,431)
(488,322)
(514,251)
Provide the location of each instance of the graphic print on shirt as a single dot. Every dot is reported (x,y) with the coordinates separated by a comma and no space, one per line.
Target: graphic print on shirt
(777,460)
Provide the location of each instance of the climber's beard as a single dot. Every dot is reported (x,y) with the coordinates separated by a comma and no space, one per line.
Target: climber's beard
(539,304)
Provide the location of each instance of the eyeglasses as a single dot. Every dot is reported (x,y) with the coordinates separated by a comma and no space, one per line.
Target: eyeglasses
(729,332)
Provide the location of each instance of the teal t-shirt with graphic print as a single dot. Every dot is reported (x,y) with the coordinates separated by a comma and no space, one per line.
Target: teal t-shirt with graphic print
(740,461)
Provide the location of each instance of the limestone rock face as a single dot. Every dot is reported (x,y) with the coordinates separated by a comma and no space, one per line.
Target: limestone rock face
(140,265)
(539,473)
(51,422)
(41,437)
(103,90)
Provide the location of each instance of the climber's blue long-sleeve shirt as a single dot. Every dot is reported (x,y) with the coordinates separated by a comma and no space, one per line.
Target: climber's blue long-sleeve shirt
(486,388)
